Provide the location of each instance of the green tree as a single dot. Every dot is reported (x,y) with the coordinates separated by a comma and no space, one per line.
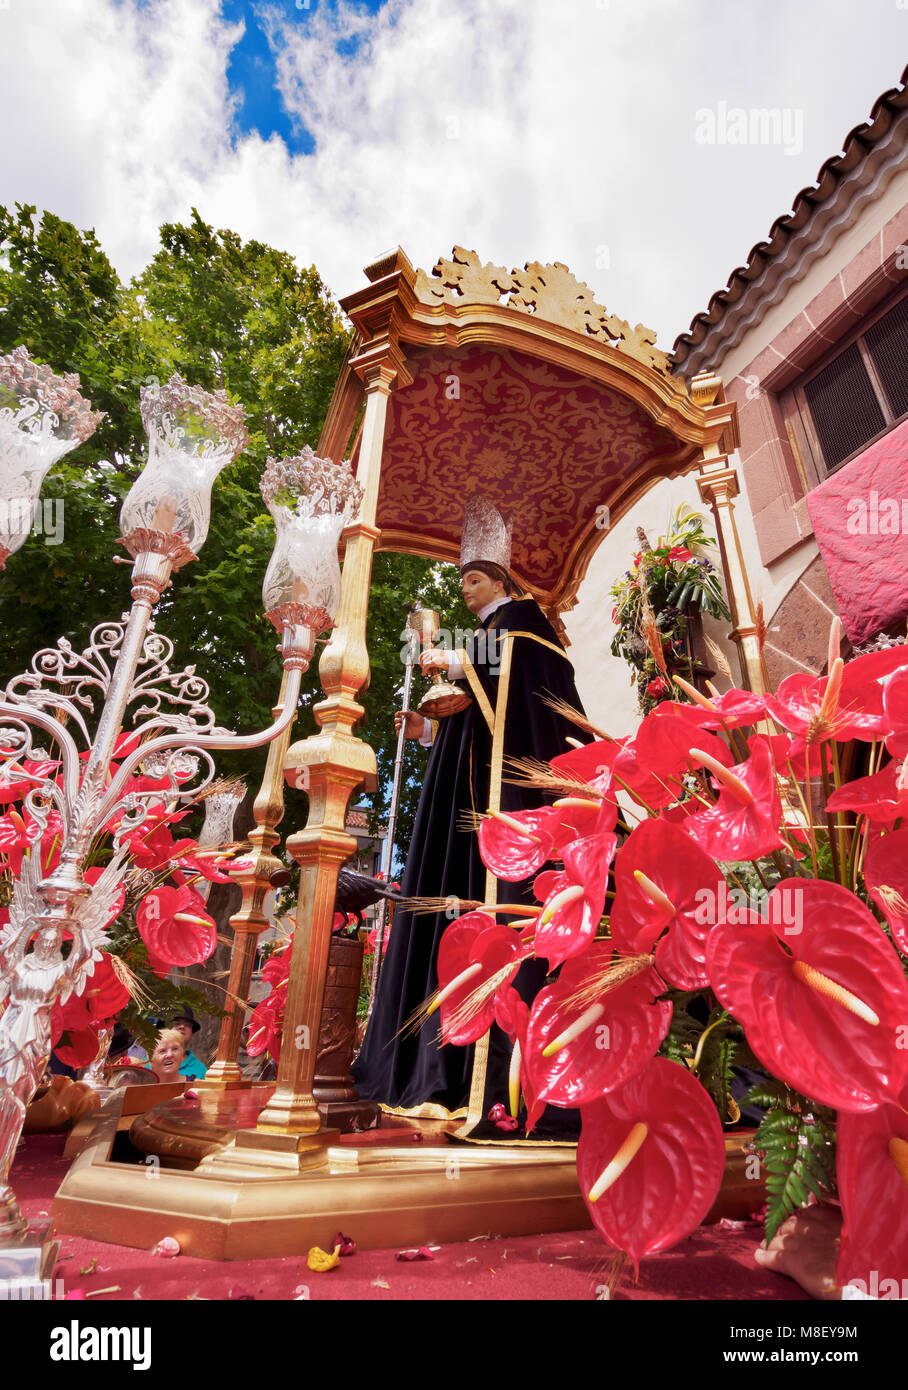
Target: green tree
(225,314)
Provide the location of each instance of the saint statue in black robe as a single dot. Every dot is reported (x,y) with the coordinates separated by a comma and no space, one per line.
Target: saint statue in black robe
(515,663)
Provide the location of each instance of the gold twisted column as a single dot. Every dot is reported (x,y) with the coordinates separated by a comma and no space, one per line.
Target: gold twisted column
(718,485)
(250,921)
(336,763)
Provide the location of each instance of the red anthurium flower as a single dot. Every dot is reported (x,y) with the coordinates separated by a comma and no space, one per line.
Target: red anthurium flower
(841,705)
(895,703)
(728,711)
(882,797)
(575,818)
(744,822)
(679,552)
(78,1047)
(663,742)
(886,877)
(174,924)
(872,1172)
(15,787)
(266,1024)
(517,843)
(573,909)
(652,767)
(17,830)
(666,888)
(473,951)
(103,997)
(819,992)
(276,970)
(105,994)
(592,764)
(203,862)
(650,1159)
(151,843)
(875,666)
(583,1039)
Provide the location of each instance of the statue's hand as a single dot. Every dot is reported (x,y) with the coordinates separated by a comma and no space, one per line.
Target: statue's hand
(415,723)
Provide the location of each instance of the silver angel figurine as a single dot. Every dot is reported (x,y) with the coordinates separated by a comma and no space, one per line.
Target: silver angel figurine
(31,982)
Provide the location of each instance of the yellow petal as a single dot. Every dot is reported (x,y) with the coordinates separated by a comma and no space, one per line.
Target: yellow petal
(320,1261)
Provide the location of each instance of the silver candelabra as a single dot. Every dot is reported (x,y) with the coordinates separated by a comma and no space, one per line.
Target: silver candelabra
(192,435)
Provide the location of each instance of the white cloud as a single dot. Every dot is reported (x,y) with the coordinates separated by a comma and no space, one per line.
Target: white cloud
(524,129)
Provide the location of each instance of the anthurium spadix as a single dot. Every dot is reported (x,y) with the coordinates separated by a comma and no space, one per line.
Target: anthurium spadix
(512,1015)
(667,891)
(584,1037)
(744,822)
(819,992)
(573,908)
(872,1173)
(650,1159)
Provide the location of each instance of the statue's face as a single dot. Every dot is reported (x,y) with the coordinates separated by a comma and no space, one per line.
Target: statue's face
(478,590)
(46,943)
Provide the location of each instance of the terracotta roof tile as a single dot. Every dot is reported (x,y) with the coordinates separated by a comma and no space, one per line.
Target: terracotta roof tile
(857,145)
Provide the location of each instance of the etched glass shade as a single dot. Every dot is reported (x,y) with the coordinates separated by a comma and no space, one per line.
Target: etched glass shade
(311,500)
(42,417)
(220,808)
(192,435)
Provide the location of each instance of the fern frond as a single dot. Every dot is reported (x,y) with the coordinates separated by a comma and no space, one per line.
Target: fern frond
(796,1140)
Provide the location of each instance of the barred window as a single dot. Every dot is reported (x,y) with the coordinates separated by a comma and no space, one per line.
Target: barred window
(854,396)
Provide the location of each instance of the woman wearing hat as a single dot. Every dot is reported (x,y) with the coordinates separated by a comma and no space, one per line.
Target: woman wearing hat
(185,1023)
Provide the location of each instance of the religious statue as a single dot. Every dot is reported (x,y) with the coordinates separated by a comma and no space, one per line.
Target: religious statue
(514,665)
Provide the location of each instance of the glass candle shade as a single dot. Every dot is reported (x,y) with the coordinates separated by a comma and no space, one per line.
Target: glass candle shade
(311,500)
(42,417)
(220,809)
(192,435)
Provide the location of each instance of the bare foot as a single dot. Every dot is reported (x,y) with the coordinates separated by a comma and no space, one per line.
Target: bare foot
(805,1248)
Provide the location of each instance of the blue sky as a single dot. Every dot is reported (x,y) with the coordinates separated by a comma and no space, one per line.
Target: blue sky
(252,74)
(522,129)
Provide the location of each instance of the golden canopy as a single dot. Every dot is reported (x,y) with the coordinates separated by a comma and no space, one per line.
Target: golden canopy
(517,384)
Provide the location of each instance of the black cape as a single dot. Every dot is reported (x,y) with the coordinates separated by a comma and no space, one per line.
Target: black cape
(444,861)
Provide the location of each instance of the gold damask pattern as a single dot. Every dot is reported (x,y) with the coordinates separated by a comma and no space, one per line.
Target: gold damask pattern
(551,292)
(550,446)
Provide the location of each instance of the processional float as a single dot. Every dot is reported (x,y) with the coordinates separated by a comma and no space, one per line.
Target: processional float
(471,378)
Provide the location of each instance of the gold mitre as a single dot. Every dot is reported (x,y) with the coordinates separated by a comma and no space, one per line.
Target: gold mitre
(486,538)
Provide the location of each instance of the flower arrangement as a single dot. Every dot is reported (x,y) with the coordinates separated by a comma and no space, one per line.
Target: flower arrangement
(653,604)
(724,913)
(158,919)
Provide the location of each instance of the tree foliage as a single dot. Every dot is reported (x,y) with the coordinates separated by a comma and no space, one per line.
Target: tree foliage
(225,314)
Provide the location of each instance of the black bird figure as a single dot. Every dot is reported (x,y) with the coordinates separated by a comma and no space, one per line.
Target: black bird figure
(355,891)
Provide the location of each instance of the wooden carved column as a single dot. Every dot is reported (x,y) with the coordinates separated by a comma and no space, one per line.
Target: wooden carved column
(718,485)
